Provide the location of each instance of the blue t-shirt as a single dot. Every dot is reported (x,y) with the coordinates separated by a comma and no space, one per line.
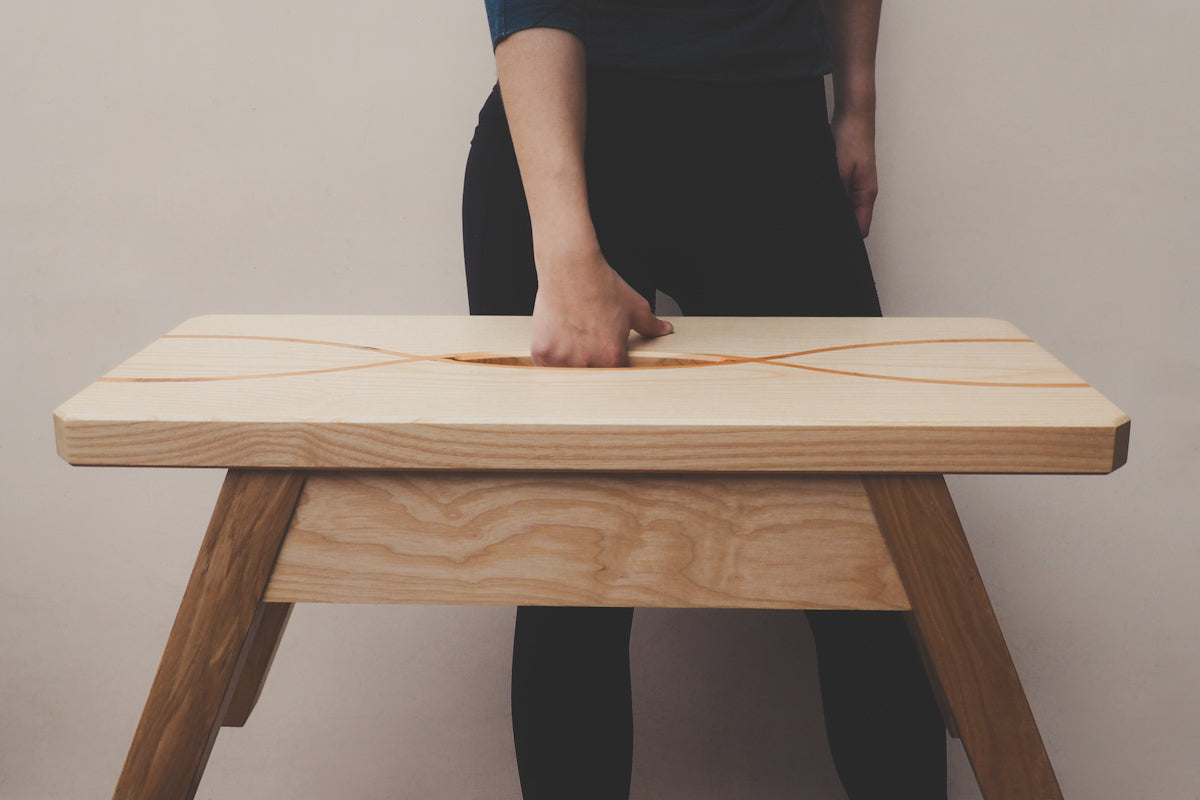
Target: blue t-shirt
(697,39)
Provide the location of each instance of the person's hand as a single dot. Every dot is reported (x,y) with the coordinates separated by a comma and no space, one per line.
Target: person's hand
(583,314)
(854,138)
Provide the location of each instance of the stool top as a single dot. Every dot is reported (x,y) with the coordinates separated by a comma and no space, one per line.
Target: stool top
(745,394)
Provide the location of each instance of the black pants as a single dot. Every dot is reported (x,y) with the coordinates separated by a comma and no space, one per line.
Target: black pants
(727,198)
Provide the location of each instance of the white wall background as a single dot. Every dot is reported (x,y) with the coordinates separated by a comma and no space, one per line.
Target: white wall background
(161,160)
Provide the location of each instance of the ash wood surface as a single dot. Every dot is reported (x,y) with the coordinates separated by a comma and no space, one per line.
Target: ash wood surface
(832,395)
(962,639)
(252,677)
(586,539)
(208,644)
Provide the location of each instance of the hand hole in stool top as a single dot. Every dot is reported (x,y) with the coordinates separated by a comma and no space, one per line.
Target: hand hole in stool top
(636,360)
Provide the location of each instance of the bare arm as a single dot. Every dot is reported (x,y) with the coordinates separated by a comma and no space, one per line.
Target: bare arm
(584,310)
(854,28)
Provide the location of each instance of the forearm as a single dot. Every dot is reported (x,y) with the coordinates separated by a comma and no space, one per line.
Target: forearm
(854,30)
(583,311)
(542,81)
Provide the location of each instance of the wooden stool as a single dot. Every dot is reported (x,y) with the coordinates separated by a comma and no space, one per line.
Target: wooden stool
(738,463)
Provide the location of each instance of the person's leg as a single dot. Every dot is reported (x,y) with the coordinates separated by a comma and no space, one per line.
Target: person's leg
(571,701)
(572,707)
(775,236)
(885,730)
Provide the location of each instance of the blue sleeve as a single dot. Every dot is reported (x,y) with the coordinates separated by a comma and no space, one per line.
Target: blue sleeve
(509,16)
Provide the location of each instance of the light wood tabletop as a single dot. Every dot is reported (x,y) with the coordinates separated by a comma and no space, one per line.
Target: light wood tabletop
(829,395)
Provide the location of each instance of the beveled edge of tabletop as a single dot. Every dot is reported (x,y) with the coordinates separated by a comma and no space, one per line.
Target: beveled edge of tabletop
(908,450)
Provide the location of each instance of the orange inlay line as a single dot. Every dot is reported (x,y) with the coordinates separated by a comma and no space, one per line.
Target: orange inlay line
(922,380)
(402,359)
(292,339)
(262,375)
(775,360)
(890,344)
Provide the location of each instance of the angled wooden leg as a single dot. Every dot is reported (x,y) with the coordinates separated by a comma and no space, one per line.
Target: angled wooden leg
(955,624)
(210,639)
(249,682)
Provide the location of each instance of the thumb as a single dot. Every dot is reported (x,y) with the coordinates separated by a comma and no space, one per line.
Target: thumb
(644,322)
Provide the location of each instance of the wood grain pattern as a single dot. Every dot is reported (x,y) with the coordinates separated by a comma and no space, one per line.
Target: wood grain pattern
(586,539)
(829,395)
(208,644)
(249,682)
(955,622)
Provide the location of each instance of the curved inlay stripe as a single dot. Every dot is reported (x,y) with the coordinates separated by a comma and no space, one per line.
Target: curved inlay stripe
(403,358)
(920,380)
(886,344)
(321,342)
(204,378)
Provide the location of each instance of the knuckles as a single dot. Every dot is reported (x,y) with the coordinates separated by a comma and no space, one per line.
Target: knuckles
(551,356)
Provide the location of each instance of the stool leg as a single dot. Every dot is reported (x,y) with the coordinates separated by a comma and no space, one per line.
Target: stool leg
(250,681)
(955,625)
(210,640)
